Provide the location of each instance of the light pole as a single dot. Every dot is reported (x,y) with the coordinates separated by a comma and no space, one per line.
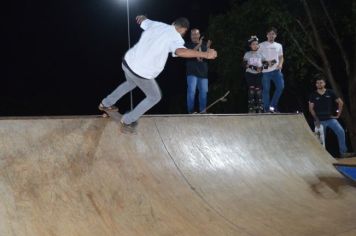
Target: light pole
(128,39)
(129,42)
(128,23)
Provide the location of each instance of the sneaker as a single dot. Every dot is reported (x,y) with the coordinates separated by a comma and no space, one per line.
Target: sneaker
(110,108)
(273,110)
(129,128)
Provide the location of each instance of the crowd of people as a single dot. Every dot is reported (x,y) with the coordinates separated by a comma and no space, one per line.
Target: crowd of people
(263,64)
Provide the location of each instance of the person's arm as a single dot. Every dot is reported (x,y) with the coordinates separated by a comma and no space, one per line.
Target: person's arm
(281,61)
(340,105)
(146,23)
(245,61)
(208,44)
(197,47)
(140,19)
(312,112)
(190,53)
(199,44)
(260,48)
(280,58)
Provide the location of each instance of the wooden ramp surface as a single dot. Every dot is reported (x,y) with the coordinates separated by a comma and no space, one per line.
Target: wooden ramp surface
(347,161)
(183,175)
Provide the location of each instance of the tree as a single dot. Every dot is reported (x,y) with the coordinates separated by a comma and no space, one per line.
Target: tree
(314,43)
(230,33)
(346,56)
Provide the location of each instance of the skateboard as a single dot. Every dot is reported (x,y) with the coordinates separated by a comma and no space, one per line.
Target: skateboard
(116,116)
(319,133)
(221,99)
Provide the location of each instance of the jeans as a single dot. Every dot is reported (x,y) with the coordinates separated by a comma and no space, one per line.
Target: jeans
(276,77)
(148,86)
(193,82)
(335,126)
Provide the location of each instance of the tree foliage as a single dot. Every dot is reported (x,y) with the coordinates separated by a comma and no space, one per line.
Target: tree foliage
(318,39)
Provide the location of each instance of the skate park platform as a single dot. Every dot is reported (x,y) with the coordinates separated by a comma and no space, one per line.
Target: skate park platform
(179,175)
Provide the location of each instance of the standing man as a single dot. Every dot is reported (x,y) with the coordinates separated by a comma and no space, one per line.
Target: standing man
(197,72)
(146,60)
(321,104)
(273,53)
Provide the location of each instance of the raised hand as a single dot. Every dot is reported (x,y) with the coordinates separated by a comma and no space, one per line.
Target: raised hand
(211,54)
(201,41)
(140,18)
(208,44)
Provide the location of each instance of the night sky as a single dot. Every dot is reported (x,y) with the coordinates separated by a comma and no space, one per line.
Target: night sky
(62,57)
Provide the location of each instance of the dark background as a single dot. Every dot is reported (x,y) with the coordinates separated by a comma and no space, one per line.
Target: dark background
(62,57)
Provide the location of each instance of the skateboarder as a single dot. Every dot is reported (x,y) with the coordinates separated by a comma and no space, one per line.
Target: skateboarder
(253,62)
(146,60)
(321,103)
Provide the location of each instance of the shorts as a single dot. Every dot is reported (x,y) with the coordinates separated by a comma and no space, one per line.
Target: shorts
(253,80)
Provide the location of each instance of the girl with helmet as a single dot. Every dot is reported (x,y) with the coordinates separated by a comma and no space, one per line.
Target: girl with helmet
(254,62)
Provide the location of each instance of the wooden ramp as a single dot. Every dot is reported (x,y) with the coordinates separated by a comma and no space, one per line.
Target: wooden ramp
(180,175)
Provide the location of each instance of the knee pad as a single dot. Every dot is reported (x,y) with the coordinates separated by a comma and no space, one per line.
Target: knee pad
(251,93)
(258,93)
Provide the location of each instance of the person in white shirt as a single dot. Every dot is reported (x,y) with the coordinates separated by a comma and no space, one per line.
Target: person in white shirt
(146,60)
(273,53)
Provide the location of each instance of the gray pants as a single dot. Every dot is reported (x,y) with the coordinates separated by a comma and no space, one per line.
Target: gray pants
(148,86)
